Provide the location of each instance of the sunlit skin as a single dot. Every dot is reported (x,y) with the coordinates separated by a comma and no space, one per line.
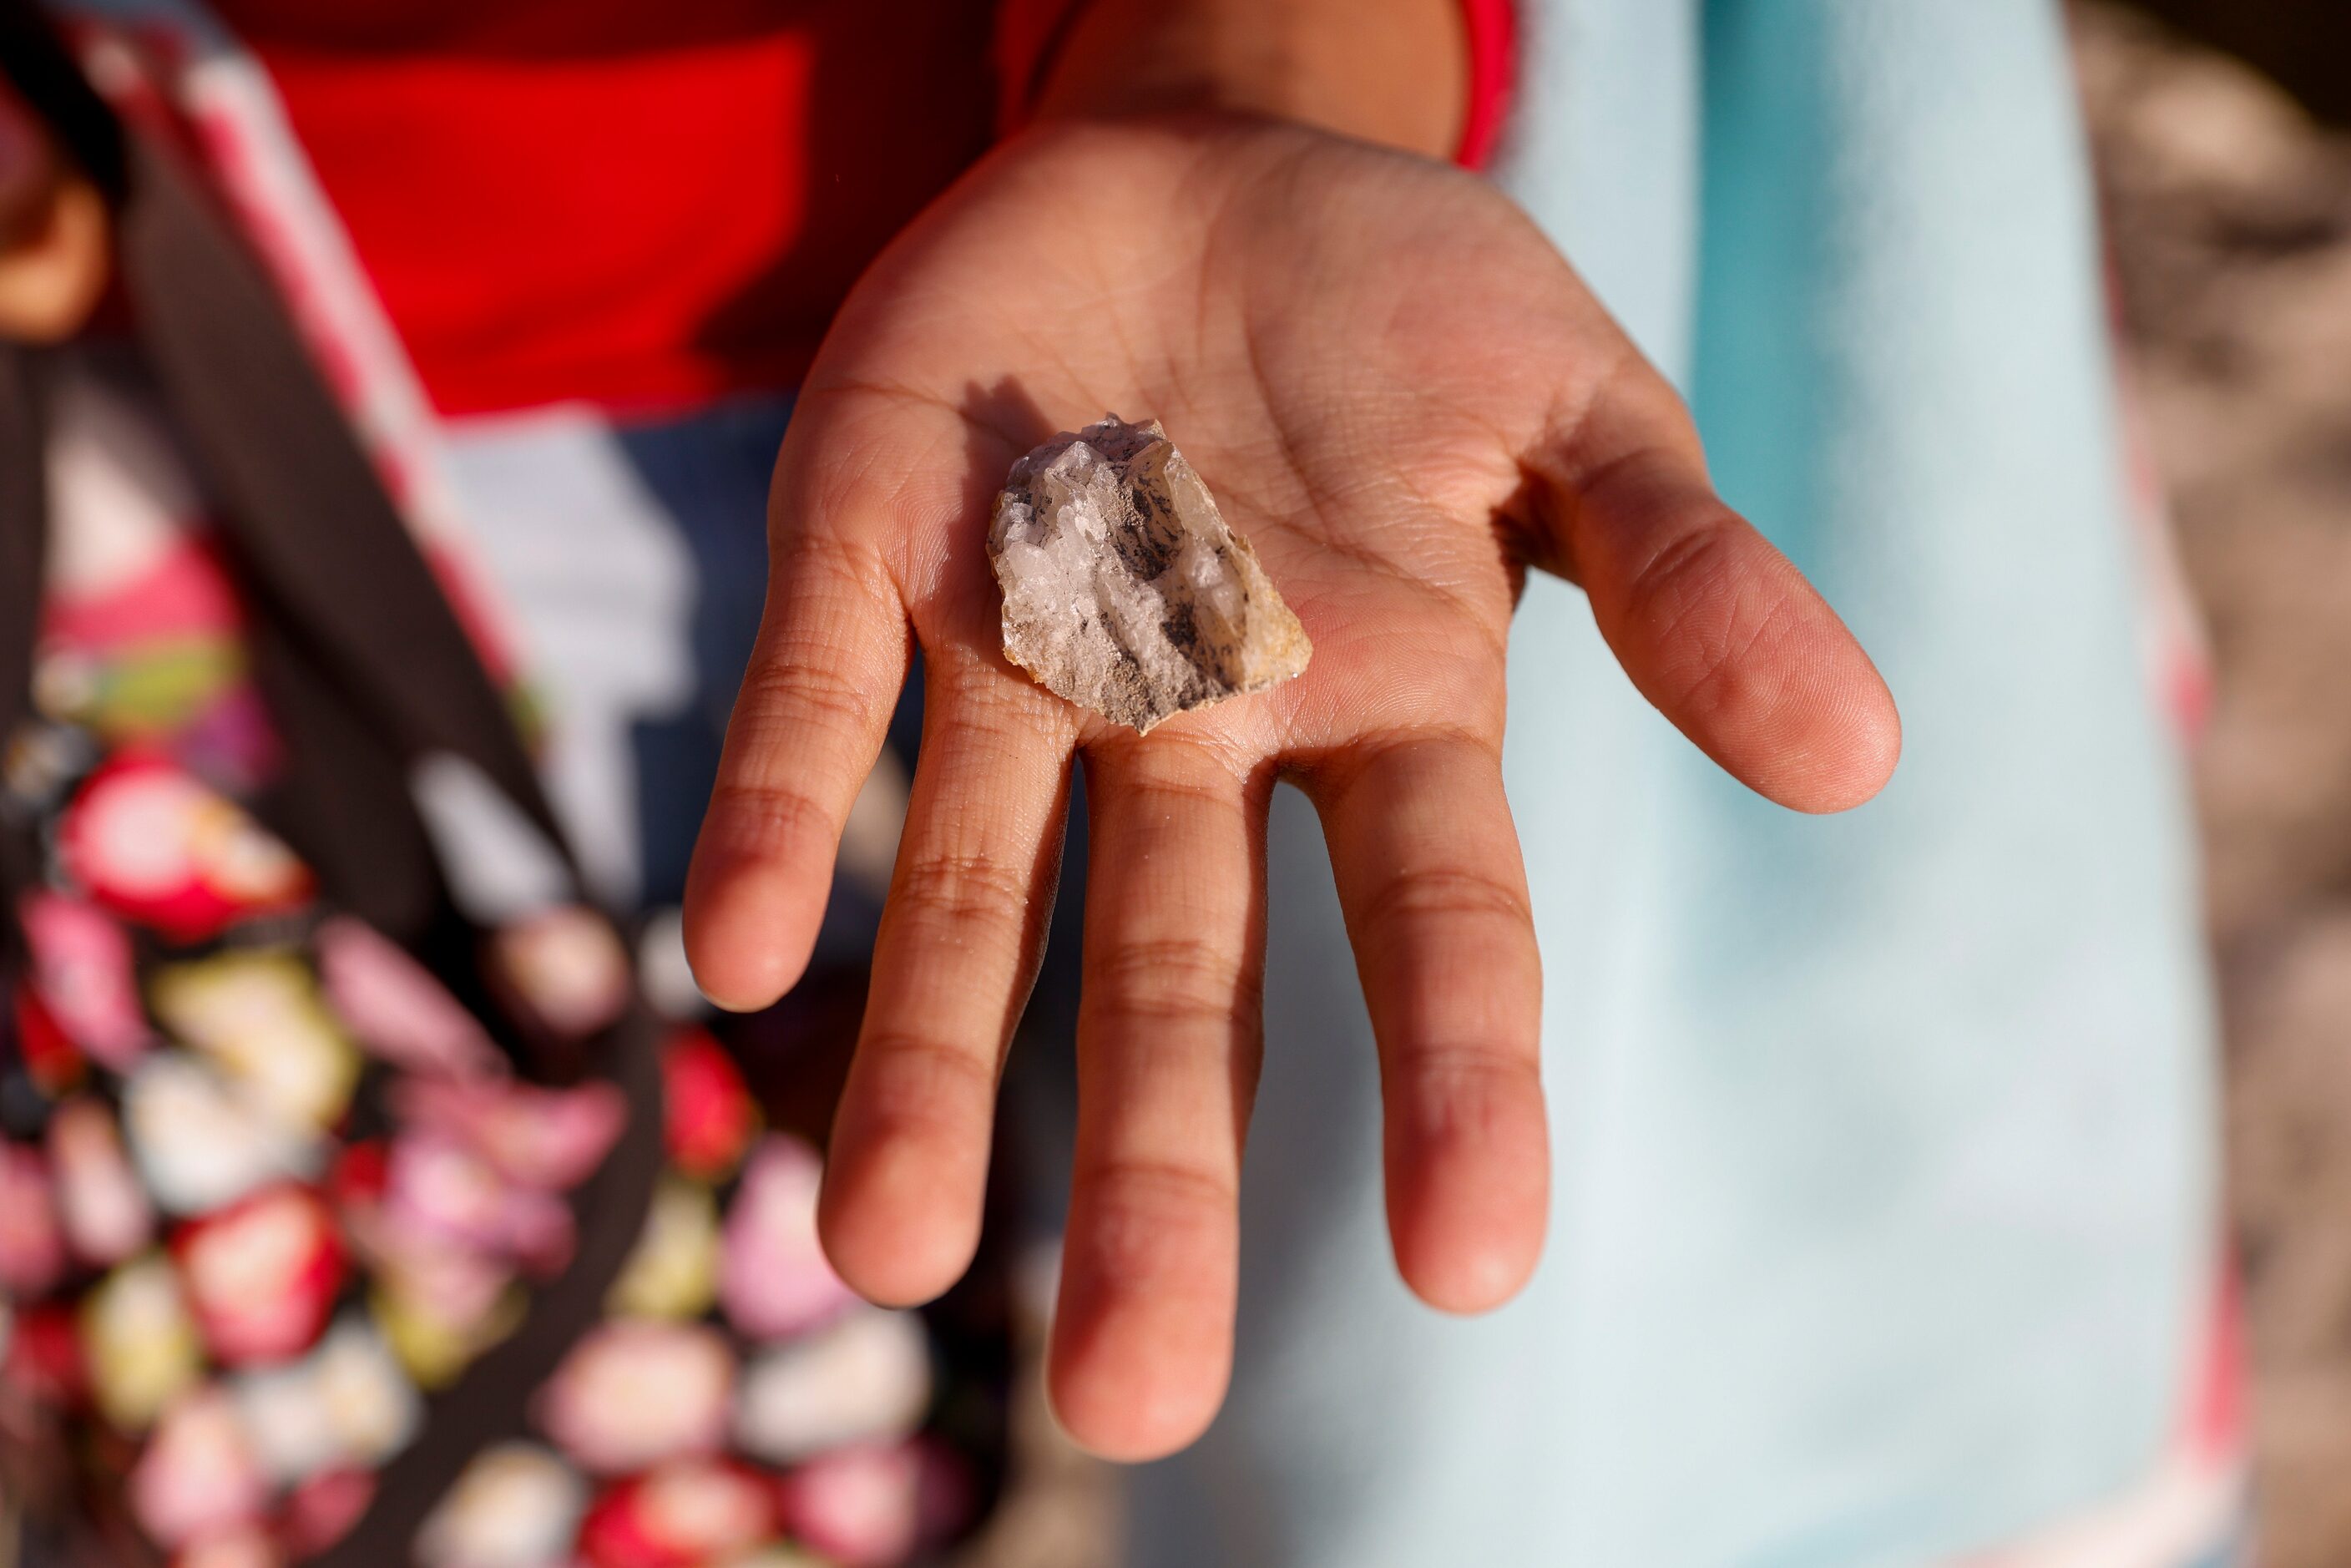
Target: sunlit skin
(53,236)
(1403,397)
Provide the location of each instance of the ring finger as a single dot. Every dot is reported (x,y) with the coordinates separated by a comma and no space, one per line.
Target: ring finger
(1169,1035)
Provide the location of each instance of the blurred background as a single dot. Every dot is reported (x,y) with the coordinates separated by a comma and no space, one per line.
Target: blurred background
(2222,135)
(2221,131)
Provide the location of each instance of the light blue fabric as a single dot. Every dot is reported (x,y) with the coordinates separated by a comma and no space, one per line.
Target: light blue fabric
(1884,1141)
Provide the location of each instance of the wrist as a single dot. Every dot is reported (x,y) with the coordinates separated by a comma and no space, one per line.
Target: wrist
(1395,72)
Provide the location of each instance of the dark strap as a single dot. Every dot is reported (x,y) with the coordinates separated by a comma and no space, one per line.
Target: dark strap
(24,511)
(302,503)
(362,662)
(491,1403)
(313,521)
(24,506)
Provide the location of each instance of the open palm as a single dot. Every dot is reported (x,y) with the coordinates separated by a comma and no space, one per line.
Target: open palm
(1403,397)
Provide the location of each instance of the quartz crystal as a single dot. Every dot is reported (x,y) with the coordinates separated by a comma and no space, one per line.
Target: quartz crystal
(1125,591)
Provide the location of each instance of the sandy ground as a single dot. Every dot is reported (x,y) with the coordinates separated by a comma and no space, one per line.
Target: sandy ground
(2229,218)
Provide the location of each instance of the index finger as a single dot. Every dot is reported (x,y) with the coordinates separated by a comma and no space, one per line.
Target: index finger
(815,704)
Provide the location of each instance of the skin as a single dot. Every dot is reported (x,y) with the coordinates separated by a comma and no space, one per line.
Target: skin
(1405,397)
(53,235)
(1233,215)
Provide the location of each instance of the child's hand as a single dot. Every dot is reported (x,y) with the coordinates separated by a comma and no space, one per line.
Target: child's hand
(53,235)
(1402,396)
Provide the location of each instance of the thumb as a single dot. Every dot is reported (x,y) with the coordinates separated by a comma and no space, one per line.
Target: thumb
(1714,625)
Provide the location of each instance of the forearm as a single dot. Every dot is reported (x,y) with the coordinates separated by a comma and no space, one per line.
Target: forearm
(1390,71)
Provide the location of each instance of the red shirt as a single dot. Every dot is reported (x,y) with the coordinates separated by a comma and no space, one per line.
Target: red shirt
(639,203)
(648,203)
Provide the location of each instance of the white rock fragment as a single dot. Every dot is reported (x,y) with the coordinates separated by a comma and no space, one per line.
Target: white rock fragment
(1124,591)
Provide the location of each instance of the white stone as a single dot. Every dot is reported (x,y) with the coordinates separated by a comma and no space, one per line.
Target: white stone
(1125,590)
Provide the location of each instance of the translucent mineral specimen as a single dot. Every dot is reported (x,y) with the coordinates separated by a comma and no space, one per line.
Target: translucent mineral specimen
(1124,591)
